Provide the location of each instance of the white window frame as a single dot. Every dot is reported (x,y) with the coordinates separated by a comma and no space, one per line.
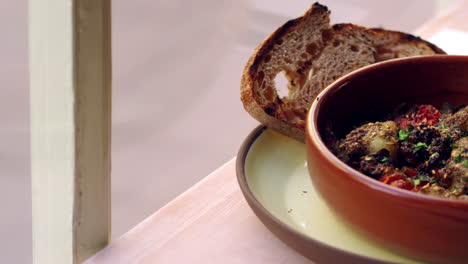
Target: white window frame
(70,95)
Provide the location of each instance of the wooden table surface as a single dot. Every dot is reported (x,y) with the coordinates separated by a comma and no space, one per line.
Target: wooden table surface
(211,222)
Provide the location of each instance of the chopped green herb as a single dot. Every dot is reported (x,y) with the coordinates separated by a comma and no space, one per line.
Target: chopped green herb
(403,135)
(434,155)
(458,158)
(385,159)
(449,138)
(465,162)
(453,188)
(368,158)
(420,145)
(459,180)
(433,181)
(410,127)
(454,146)
(416,181)
(441,124)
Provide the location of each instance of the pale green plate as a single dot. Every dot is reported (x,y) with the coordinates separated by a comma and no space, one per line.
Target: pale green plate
(276,173)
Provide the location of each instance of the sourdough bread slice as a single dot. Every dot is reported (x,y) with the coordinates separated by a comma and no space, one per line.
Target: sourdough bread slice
(313,54)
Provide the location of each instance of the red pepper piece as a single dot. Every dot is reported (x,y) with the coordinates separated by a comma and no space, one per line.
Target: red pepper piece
(402,184)
(427,114)
(397,180)
(403,122)
(410,172)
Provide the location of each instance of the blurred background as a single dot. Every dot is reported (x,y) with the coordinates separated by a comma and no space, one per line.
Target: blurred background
(176,109)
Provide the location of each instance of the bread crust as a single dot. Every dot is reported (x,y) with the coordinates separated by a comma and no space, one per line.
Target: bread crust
(405,37)
(286,114)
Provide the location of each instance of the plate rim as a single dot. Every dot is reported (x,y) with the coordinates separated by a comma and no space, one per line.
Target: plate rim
(316,250)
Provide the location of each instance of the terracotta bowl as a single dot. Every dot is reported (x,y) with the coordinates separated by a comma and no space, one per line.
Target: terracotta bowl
(416,225)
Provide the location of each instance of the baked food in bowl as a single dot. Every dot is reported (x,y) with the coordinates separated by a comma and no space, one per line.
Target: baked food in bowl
(419,225)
